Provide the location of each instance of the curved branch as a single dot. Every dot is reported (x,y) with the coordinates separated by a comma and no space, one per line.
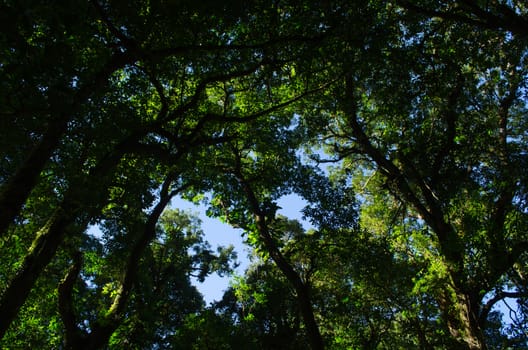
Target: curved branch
(222,118)
(104,327)
(429,208)
(196,48)
(486,309)
(51,235)
(39,255)
(127,42)
(505,18)
(301,288)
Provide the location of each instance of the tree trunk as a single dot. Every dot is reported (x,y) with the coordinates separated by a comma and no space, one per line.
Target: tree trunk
(301,288)
(105,326)
(461,315)
(49,237)
(312,329)
(42,251)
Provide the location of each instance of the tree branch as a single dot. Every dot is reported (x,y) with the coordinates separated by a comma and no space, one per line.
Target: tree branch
(430,210)
(505,18)
(127,42)
(301,288)
(500,295)
(15,192)
(104,327)
(66,309)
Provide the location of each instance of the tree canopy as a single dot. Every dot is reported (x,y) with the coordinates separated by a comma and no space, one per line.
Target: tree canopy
(401,124)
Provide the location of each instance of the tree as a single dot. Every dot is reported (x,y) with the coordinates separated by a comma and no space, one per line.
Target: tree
(139,88)
(265,309)
(436,111)
(109,110)
(251,174)
(237,200)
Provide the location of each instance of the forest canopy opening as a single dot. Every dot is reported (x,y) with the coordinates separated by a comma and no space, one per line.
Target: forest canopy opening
(419,225)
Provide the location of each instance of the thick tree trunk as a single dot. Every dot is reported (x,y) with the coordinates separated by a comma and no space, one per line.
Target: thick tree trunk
(461,315)
(72,334)
(47,241)
(40,254)
(312,329)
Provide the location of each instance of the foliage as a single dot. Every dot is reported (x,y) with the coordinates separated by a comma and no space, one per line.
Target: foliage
(401,124)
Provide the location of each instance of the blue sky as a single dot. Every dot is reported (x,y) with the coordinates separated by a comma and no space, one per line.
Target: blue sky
(218,233)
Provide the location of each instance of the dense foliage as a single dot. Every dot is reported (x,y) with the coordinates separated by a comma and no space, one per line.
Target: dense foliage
(401,124)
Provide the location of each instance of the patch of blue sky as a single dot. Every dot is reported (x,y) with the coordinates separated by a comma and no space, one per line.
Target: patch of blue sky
(218,233)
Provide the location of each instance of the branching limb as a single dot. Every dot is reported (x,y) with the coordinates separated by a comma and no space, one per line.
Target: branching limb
(301,287)
(500,295)
(504,18)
